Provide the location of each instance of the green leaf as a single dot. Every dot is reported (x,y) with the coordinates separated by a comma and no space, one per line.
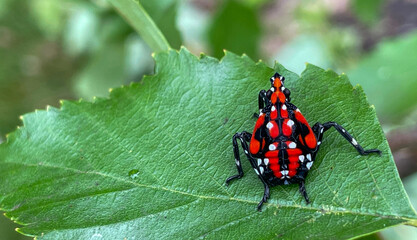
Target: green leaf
(405,232)
(388,76)
(236,28)
(136,15)
(151,161)
(164,14)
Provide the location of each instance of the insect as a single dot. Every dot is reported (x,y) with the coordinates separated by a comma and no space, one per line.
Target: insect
(283,146)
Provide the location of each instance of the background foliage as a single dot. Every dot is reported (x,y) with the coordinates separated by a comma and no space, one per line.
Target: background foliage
(69,49)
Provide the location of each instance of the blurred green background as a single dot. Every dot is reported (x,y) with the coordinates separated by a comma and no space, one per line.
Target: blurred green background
(71,49)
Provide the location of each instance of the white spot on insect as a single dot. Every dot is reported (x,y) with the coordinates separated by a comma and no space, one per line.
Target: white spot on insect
(269,125)
(309,164)
(246,152)
(266,161)
(301,158)
(321,130)
(286,182)
(273,89)
(273,108)
(282,88)
(308,156)
(259,161)
(261,169)
(272,147)
(237,162)
(241,140)
(297,110)
(343,130)
(354,142)
(290,123)
(284,107)
(318,143)
(257,173)
(292,145)
(284,172)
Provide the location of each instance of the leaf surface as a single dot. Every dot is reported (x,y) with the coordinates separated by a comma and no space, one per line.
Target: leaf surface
(151,161)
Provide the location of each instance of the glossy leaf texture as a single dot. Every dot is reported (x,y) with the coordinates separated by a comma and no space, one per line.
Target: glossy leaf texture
(150,162)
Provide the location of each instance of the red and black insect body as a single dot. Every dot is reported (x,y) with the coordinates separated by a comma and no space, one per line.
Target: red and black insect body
(283,146)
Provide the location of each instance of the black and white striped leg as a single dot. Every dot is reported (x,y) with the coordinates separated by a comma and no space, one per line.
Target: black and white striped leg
(243,137)
(304,192)
(319,128)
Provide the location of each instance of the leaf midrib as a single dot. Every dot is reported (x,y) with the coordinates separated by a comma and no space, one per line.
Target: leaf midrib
(335,210)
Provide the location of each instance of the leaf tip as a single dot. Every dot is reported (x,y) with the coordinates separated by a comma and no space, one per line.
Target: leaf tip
(110,90)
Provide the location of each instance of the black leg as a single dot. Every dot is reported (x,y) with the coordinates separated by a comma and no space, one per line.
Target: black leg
(319,128)
(261,99)
(243,137)
(304,192)
(261,102)
(266,195)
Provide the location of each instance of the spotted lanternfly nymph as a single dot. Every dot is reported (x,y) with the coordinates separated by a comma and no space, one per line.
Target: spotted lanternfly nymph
(283,146)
